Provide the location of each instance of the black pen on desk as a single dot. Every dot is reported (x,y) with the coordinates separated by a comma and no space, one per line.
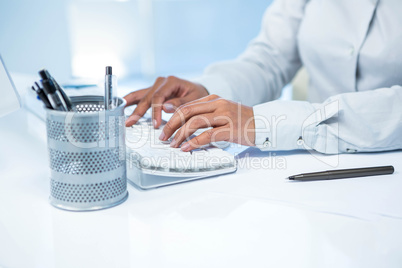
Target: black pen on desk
(344,173)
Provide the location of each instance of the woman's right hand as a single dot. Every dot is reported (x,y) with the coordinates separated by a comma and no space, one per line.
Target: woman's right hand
(166,94)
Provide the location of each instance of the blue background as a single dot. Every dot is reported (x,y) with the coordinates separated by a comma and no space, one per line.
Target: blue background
(168,36)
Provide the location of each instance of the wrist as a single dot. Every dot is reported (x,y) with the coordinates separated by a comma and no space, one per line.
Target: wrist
(250,127)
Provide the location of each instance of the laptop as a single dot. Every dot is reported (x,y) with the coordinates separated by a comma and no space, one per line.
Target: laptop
(10,100)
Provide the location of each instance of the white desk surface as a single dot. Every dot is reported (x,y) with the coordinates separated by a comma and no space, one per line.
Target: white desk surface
(253,218)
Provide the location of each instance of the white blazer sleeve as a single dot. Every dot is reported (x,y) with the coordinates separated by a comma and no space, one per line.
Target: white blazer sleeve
(268,64)
(364,121)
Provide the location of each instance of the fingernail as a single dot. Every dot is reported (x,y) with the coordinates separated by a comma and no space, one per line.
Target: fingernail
(185,147)
(173,143)
(168,107)
(129,122)
(154,123)
(162,136)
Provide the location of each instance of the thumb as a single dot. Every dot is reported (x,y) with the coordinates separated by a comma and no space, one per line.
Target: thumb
(171,105)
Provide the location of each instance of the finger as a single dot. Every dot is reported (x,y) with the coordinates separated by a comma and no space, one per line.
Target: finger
(192,125)
(212,135)
(136,96)
(171,105)
(157,103)
(139,112)
(171,87)
(184,113)
(144,103)
(205,99)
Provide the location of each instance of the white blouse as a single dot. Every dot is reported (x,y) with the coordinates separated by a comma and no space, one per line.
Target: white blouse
(352,50)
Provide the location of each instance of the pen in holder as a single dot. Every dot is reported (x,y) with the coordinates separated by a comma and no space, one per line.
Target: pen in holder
(87,155)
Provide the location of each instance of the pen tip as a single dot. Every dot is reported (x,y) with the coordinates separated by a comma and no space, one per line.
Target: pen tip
(109,70)
(291,177)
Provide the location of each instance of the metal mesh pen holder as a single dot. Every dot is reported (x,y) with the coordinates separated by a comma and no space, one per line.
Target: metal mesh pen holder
(87,155)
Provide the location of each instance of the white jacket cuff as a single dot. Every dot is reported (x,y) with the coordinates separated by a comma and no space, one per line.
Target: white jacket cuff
(279,125)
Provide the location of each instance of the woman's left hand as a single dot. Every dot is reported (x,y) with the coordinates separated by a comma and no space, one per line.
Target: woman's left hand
(230,121)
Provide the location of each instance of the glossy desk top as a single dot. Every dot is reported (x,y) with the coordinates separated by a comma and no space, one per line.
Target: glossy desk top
(253,218)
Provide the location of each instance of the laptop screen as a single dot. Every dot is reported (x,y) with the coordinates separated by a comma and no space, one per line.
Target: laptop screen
(9,98)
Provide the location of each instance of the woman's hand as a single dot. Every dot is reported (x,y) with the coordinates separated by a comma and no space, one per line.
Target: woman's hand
(166,94)
(230,121)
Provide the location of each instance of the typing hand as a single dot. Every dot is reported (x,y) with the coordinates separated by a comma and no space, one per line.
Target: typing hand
(166,94)
(230,121)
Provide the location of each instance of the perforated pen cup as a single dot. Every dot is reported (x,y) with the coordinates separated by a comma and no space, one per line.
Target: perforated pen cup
(87,155)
